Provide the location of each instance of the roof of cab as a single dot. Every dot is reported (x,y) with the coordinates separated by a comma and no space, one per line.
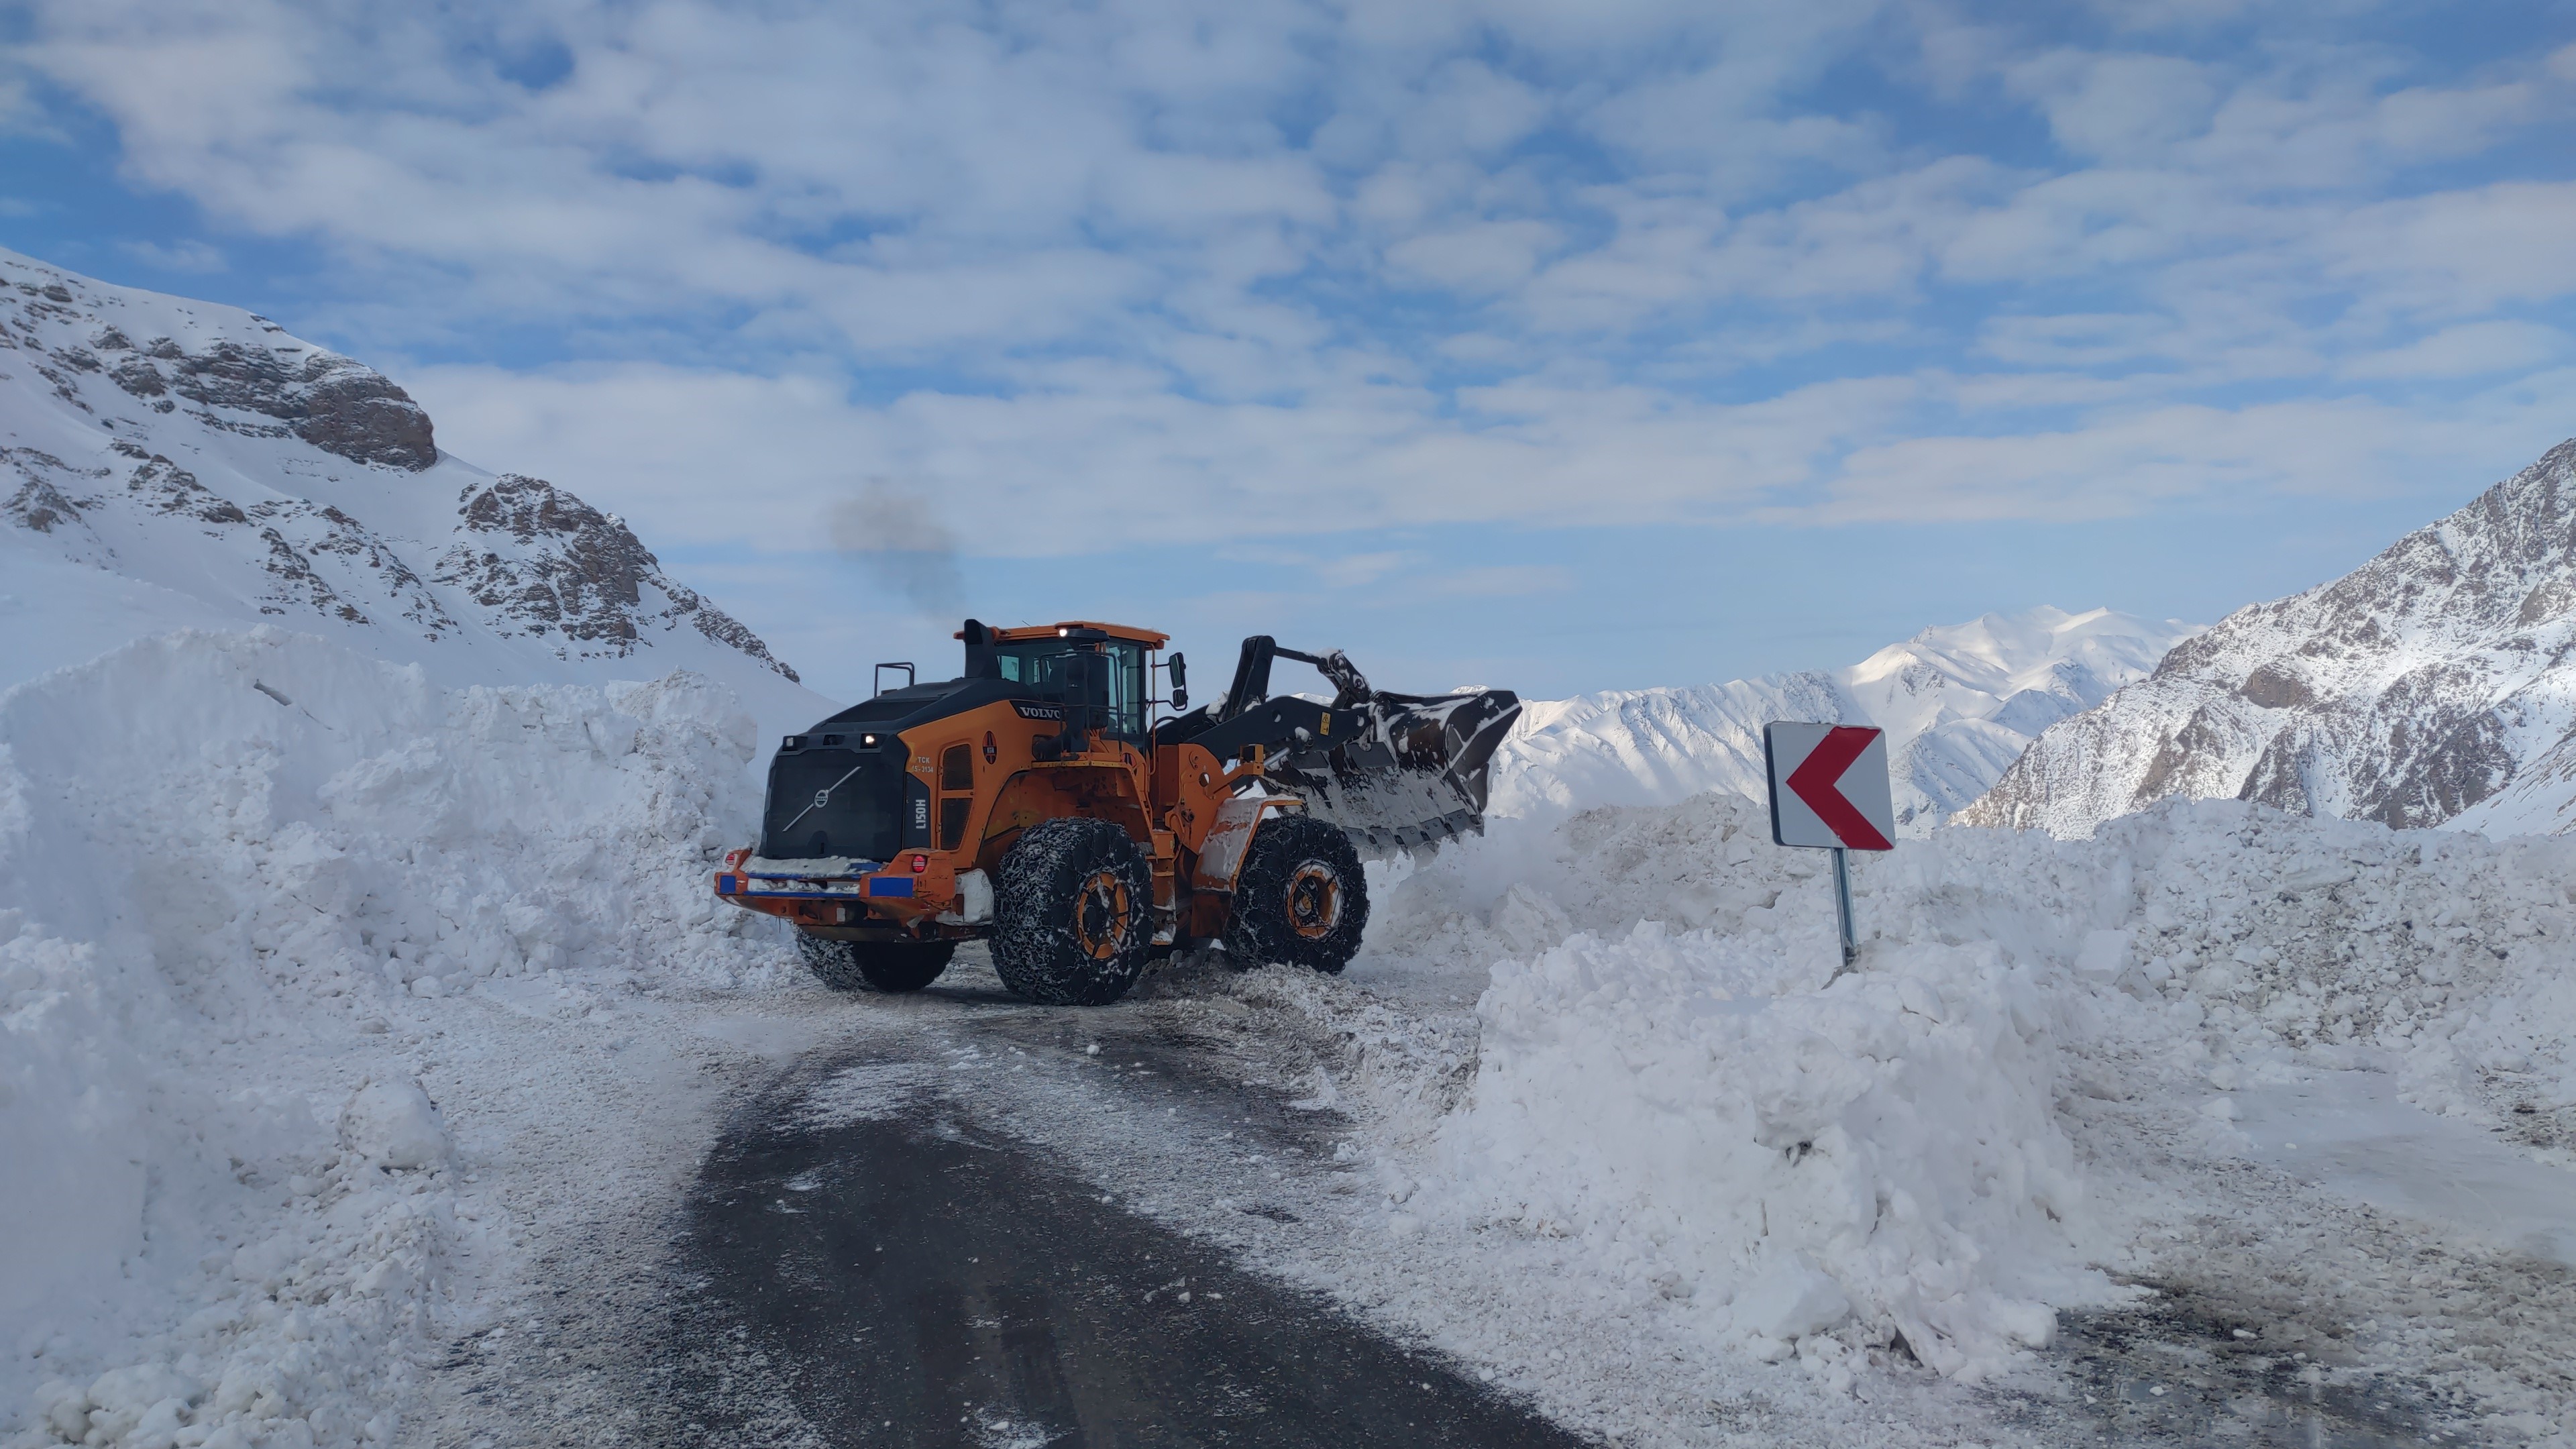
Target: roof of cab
(1130,632)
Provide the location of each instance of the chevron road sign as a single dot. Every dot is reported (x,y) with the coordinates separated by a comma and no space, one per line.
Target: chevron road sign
(1829,787)
(1829,792)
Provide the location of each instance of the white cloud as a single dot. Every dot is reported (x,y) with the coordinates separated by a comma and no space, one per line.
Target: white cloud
(184,256)
(1465,106)
(1361,569)
(2077,340)
(2472,349)
(2128,464)
(18,112)
(2118,107)
(1483,257)
(2463,251)
(1503,581)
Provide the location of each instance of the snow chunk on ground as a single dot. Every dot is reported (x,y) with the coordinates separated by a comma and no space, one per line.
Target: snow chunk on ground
(1791,1301)
(394,1124)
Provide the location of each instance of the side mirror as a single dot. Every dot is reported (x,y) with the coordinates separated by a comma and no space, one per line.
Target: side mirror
(1180,668)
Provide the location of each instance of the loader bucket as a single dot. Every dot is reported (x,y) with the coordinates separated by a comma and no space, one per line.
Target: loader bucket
(1414,776)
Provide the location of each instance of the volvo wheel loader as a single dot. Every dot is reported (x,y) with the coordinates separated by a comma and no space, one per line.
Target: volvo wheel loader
(1038,802)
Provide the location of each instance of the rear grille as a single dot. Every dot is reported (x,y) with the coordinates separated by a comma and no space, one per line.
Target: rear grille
(861,816)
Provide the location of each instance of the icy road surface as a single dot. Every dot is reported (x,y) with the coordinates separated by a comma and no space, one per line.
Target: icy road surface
(2349,1133)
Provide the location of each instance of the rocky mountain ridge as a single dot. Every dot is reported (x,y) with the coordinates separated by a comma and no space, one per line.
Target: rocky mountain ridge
(165,462)
(2433,686)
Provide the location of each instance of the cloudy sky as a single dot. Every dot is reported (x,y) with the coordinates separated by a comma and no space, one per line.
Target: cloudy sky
(1564,346)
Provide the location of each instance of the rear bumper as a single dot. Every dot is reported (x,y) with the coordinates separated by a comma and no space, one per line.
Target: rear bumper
(904,895)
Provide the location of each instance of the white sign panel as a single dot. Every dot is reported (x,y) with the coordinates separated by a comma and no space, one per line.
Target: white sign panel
(1829,786)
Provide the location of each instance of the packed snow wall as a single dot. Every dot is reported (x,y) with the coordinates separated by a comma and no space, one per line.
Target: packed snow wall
(221,857)
(1671,1082)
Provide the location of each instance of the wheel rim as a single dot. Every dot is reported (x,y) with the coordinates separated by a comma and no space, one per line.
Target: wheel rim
(1100,915)
(1314,900)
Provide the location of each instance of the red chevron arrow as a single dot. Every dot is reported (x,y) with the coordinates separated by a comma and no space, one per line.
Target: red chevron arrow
(1818,780)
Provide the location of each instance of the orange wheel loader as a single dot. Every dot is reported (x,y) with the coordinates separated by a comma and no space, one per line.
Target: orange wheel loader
(1041,802)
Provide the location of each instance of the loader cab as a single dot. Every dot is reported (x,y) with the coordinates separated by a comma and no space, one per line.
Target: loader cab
(1037,657)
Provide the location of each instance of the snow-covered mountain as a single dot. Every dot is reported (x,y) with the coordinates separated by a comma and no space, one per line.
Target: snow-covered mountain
(2434,685)
(1960,703)
(168,463)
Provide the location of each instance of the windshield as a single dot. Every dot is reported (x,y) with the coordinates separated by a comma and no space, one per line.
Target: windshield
(1040,662)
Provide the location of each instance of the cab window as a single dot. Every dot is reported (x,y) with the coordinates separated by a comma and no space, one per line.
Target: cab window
(1040,663)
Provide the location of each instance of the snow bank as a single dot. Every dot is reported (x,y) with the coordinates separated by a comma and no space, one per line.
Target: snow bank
(1671,1077)
(1654,1097)
(223,858)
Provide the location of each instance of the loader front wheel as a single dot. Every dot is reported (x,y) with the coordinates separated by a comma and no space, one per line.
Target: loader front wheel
(1073,913)
(1300,899)
(888,966)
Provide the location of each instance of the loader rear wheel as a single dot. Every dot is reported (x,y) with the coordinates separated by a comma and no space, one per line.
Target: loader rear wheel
(1073,913)
(889,966)
(1300,899)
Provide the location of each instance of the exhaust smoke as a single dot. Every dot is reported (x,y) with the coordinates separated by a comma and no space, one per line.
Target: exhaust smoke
(895,537)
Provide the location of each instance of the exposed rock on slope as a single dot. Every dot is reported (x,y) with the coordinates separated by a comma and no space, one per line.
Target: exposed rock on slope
(542,560)
(1959,703)
(2431,686)
(166,462)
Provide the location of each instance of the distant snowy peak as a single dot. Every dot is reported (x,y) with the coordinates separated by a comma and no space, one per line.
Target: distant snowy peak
(2434,685)
(248,476)
(2024,671)
(1959,702)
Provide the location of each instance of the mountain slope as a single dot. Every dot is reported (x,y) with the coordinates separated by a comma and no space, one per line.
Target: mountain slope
(2431,686)
(1959,704)
(167,463)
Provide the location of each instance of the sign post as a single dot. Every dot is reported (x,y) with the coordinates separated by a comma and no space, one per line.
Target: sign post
(1829,791)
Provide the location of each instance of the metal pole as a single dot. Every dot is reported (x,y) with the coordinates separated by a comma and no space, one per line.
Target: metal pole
(1843,910)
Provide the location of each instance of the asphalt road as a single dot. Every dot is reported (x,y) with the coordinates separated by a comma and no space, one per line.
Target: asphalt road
(915,1278)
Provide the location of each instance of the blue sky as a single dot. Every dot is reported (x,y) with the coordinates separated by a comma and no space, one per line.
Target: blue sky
(1564,347)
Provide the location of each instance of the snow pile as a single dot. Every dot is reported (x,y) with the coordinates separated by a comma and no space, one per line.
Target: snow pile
(2277,943)
(225,859)
(1959,703)
(1723,1136)
(1661,1079)
(1672,1078)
